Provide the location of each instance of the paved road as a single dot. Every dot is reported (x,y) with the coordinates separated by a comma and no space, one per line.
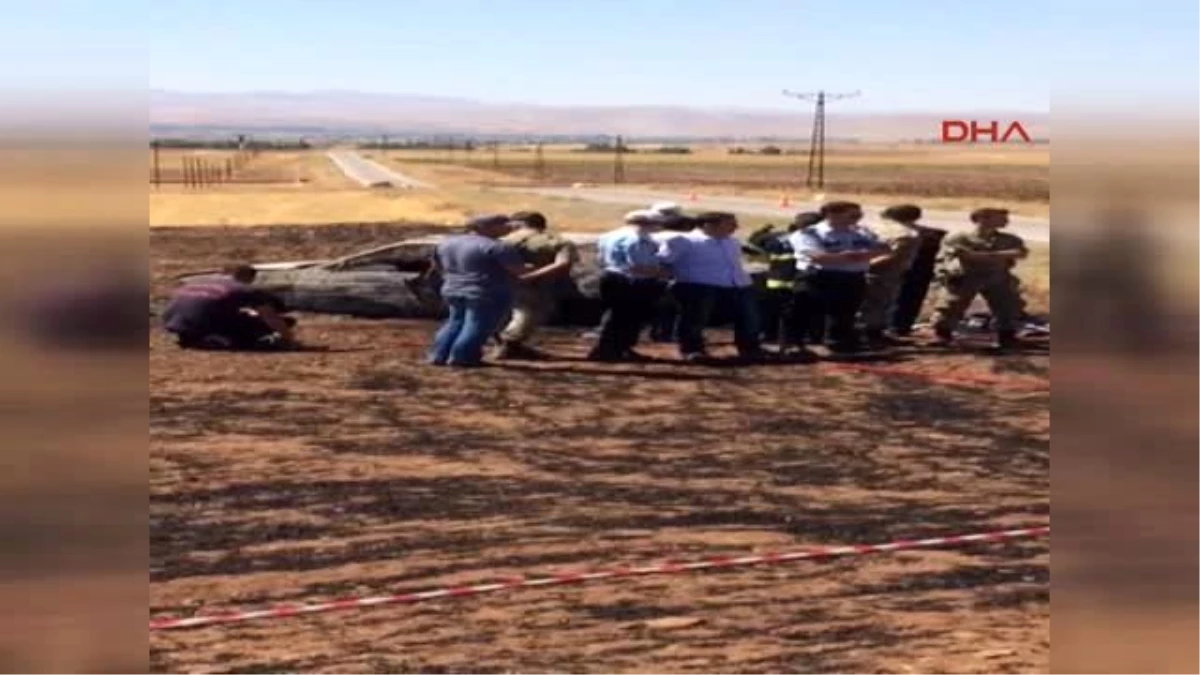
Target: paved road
(369,173)
(1030,229)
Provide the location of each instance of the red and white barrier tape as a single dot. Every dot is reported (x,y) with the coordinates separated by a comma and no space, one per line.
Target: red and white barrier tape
(717,562)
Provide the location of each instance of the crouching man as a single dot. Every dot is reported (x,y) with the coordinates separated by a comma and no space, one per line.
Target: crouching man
(229,314)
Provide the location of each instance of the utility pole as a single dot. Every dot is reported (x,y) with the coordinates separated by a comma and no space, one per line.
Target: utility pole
(816,147)
(619,161)
(495,154)
(539,162)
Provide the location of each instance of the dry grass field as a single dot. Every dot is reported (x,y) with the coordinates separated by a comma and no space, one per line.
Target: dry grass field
(288,187)
(934,175)
(307,476)
(304,187)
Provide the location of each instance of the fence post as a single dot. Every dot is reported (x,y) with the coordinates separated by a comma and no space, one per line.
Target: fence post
(157,172)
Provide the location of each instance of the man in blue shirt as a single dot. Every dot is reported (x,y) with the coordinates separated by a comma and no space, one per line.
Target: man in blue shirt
(832,259)
(631,282)
(478,272)
(708,269)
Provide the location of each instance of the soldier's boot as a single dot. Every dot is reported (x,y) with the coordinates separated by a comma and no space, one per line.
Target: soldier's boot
(1008,340)
(944,336)
(878,338)
(517,351)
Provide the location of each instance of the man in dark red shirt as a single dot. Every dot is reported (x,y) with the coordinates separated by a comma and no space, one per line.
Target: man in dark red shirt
(228,313)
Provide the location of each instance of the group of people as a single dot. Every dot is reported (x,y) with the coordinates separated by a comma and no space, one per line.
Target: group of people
(830,281)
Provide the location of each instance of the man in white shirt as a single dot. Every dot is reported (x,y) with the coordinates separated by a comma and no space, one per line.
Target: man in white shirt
(832,259)
(707,266)
(675,224)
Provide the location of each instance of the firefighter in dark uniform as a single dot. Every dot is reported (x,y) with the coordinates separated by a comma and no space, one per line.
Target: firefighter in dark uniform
(781,280)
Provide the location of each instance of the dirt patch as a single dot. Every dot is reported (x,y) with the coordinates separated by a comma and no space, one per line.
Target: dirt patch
(312,476)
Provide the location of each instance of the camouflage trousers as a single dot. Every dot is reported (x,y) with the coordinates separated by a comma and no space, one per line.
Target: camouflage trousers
(879,299)
(1002,293)
(532,308)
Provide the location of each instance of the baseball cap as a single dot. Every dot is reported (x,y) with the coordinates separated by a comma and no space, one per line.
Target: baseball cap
(667,208)
(643,217)
(487,220)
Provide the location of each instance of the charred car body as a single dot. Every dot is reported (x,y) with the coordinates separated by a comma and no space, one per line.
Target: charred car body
(397,281)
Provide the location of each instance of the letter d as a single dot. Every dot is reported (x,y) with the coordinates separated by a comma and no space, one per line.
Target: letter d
(948,126)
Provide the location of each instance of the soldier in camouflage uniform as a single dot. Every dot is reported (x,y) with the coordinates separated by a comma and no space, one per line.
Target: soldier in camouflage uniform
(534,301)
(980,262)
(899,230)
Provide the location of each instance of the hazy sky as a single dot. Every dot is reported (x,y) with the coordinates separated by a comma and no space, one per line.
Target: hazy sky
(903,55)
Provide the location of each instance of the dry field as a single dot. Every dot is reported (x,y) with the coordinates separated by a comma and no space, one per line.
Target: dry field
(1015,176)
(299,187)
(355,470)
(304,187)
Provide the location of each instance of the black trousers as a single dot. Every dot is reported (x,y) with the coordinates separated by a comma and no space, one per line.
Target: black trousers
(776,307)
(237,332)
(666,319)
(696,305)
(836,296)
(629,304)
(916,282)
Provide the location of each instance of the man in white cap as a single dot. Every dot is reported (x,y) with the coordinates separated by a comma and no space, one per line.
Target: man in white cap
(631,283)
(676,224)
(667,210)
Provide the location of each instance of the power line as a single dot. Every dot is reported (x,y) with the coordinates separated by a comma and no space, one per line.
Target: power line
(816,147)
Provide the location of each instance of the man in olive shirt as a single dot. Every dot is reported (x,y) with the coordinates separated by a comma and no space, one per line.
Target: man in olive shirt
(535,299)
(900,231)
(980,263)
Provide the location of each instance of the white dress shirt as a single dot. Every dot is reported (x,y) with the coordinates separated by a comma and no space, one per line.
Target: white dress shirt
(696,258)
(824,239)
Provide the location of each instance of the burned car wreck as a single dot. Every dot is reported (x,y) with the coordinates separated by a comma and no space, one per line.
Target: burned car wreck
(396,280)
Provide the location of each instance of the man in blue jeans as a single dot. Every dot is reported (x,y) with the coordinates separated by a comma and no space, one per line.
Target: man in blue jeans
(708,269)
(478,273)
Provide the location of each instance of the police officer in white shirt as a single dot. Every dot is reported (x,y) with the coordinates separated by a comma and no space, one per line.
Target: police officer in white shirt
(832,259)
(707,266)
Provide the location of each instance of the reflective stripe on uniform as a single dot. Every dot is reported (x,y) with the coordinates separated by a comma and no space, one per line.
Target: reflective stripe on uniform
(778,284)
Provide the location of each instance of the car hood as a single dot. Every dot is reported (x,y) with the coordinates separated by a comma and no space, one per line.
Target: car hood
(583,239)
(295,265)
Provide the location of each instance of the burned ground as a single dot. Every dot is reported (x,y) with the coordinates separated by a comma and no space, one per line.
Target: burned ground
(356,470)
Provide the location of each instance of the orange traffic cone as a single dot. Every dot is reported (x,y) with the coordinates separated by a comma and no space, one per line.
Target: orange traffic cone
(691,196)
(785,201)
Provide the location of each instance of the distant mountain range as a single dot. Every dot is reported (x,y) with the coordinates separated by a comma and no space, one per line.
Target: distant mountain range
(331,113)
